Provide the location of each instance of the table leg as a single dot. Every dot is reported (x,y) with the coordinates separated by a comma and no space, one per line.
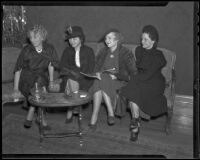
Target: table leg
(80,126)
(40,114)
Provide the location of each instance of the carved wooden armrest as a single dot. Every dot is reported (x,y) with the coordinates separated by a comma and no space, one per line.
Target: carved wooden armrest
(173,86)
(170,91)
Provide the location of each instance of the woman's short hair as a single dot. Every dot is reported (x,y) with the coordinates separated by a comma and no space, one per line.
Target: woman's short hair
(153,33)
(38,29)
(117,33)
(119,37)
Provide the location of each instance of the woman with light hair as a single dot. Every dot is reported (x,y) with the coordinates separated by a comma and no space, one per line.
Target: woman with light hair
(35,64)
(113,62)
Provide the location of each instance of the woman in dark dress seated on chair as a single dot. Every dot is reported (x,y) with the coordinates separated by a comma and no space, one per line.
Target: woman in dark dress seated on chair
(76,58)
(35,64)
(145,90)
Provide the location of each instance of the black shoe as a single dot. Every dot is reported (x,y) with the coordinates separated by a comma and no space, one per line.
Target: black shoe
(27,124)
(135,123)
(92,127)
(134,135)
(134,128)
(111,120)
(47,127)
(69,120)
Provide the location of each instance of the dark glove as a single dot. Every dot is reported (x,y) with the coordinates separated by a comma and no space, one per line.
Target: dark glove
(69,72)
(76,75)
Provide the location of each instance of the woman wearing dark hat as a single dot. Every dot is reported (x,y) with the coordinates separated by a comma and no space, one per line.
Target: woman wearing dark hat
(120,63)
(76,58)
(145,90)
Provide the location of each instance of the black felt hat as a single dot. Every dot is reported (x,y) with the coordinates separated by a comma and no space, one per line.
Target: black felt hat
(74,31)
(107,32)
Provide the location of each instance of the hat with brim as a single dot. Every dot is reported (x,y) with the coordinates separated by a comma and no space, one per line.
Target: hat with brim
(75,31)
(107,32)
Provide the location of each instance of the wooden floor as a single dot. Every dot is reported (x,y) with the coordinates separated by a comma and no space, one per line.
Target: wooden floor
(151,131)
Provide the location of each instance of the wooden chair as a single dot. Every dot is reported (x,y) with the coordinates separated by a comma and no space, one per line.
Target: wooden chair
(8,97)
(169,73)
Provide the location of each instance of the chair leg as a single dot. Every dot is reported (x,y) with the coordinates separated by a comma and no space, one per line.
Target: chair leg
(168,121)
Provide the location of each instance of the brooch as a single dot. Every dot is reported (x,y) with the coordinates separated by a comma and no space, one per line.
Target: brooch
(111,56)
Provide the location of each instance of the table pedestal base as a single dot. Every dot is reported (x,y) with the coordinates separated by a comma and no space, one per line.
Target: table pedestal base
(60,135)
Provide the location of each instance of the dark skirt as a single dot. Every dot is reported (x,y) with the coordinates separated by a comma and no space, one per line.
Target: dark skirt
(28,80)
(148,96)
(84,84)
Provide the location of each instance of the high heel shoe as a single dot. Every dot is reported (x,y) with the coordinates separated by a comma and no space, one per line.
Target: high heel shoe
(92,127)
(134,128)
(69,120)
(27,124)
(134,135)
(45,127)
(111,120)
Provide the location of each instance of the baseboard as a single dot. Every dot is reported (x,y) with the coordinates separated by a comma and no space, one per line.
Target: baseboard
(7,81)
(184,98)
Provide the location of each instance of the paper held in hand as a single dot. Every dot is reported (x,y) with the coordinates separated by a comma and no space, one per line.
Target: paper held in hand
(111,71)
(94,75)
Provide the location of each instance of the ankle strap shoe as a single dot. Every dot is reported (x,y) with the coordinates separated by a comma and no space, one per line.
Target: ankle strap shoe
(135,123)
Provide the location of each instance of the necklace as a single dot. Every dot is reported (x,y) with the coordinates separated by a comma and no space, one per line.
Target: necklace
(39,50)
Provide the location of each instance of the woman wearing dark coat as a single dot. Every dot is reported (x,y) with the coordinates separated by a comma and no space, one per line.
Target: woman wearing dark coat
(120,60)
(76,58)
(145,90)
